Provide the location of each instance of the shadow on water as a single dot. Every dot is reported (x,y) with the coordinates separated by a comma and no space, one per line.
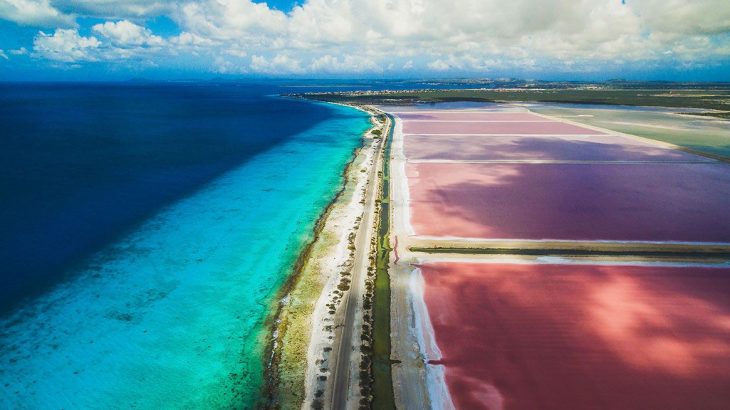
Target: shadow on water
(574,201)
(81,164)
(579,202)
(638,327)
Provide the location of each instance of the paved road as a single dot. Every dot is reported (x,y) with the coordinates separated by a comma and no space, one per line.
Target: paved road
(342,352)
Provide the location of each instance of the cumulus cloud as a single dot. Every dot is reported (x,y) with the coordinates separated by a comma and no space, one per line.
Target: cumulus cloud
(66,45)
(34,12)
(372,36)
(348,64)
(470,35)
(676,17)
(186,39)
(236,52)
(439,65)
(124,33)
(19,51)
(224,66)
(116,41)
(279,64)
(231,20)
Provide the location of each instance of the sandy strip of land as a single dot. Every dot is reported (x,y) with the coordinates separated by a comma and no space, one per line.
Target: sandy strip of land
(571,260)
(415,386)
(556,161)
(307,324)
(425,241)
(344,385)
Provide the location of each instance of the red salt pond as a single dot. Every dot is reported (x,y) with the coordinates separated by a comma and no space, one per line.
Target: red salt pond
(652,202)
(538,336)
(471,116)
(593,148)
(497,128)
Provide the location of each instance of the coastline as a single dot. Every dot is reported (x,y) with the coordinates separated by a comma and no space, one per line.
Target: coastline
(277,328)
(299,333)
(199,277)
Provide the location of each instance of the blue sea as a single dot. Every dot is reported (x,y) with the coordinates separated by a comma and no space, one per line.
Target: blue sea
(145,231)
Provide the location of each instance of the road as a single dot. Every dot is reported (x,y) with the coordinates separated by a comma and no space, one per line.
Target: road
(344,346)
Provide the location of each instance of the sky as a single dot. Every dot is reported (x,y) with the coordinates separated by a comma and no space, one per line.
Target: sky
(531,39)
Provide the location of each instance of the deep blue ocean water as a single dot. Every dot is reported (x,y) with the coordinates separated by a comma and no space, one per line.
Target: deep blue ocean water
(145,229)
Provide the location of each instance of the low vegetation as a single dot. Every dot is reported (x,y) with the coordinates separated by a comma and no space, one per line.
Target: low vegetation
(713,98)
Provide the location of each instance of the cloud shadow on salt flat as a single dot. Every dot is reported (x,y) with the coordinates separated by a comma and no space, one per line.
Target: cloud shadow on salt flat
(653,202)
(571,336)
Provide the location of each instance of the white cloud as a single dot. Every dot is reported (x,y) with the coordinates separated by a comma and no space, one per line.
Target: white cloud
(232,20)
(66,45)
(684,17)
(237,52)
(279,64)
(35,13)
(5,54)
(362,36)
(439,65)
(186,39)
(113,42)
(347,64)
(474,35)
(19,51)
(224,66)
(124,33)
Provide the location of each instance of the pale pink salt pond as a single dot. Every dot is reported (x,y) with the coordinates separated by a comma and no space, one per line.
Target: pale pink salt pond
(496,128)
(579,148)
(470,116)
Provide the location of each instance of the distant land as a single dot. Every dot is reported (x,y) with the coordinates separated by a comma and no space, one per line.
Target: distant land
(713,99)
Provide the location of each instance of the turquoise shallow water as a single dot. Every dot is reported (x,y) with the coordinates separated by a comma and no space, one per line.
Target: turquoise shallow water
(172,315)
